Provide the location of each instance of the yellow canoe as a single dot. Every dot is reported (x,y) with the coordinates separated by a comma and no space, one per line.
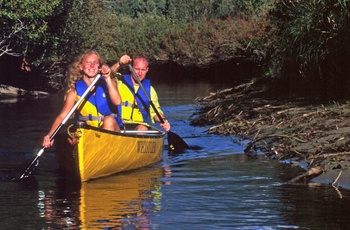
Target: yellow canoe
(100,153)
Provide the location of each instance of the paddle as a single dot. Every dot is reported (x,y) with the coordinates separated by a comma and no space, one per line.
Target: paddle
(34,162)
(176,143)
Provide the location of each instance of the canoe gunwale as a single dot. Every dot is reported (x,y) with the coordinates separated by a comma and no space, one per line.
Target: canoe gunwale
(128,133)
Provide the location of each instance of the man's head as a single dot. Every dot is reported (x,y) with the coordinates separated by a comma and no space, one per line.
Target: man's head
(140,66)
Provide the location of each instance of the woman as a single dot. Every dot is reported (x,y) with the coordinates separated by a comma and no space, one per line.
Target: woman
(100,104)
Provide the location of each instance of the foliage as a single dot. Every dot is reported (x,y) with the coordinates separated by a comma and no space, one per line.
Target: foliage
(188,44)
(304,43)
(88,25)
(60,29)
(151,29)
(309,41)
(188,10)
(24,25)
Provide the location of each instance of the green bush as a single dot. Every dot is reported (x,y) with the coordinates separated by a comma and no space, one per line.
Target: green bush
(309,45)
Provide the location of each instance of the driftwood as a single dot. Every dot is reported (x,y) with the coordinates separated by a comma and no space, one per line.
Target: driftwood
(305,178)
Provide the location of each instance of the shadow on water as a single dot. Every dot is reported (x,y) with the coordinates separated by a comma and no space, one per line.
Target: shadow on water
(8,164)
(328,209)
(27,184)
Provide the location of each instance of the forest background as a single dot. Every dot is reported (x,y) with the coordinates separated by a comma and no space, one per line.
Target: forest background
(300,47)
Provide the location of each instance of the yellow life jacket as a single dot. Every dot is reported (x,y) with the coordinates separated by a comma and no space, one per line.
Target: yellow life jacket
(95,106)
(135,105)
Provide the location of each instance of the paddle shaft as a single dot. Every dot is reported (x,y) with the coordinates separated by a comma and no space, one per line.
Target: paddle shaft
(136,78)
(93,83)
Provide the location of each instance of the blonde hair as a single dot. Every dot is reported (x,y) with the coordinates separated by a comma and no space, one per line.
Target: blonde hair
(75,73)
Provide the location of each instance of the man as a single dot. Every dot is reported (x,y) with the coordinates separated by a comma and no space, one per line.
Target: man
(135,105)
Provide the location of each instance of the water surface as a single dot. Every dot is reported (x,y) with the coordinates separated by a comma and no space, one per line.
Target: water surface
(215,186)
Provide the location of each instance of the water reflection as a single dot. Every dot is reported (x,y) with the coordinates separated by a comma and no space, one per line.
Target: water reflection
(111,202)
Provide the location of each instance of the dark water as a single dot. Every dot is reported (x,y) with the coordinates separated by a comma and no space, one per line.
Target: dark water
(215,187)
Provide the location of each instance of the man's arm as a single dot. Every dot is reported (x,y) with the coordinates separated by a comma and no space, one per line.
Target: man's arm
(125,59)
(154,99)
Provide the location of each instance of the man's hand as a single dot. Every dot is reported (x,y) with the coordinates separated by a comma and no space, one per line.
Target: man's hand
(165,125)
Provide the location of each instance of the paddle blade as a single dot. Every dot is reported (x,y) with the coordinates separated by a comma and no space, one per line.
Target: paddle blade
(176,143)
(25,169)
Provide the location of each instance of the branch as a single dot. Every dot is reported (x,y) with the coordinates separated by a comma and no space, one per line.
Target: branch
(5,44)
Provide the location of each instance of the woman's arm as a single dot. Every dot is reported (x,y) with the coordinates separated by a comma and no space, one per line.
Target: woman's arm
(68,105)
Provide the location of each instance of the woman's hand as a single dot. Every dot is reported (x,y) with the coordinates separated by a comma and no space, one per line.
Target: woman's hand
(46,142)
(105,71)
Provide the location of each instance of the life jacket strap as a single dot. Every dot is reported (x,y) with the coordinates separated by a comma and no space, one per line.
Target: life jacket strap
(128,104)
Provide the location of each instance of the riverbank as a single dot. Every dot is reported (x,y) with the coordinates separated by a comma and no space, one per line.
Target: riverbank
(296,131)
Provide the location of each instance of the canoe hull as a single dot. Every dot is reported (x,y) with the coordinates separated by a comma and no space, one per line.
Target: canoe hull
(100,153)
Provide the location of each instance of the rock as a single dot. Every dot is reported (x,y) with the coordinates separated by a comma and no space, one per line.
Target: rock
(10,92)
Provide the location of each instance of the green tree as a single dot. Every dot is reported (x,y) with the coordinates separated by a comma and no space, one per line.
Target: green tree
(88,25)
(24,25)
(169,9)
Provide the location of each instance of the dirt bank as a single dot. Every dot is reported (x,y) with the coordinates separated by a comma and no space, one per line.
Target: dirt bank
(300,132)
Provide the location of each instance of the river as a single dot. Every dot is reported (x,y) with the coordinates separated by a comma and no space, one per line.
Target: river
(212,186)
